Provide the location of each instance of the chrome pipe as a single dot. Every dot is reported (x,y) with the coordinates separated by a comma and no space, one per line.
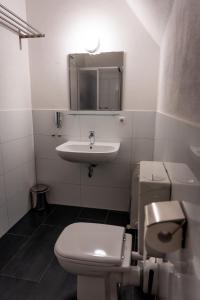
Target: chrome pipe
(9,27)
(28,36)
(16,16)
(10,23)
(58,119)
(15,21)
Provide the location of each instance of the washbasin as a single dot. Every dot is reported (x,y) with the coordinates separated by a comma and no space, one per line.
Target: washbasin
(86,153)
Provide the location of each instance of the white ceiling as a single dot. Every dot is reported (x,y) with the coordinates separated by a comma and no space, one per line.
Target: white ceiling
(153,14)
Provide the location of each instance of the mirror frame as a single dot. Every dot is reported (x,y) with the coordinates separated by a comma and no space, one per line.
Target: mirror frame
(92,57)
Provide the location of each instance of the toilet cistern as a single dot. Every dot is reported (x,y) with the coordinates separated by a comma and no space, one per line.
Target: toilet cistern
(91,138)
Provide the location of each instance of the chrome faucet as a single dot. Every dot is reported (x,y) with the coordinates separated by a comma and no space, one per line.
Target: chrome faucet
(91,138)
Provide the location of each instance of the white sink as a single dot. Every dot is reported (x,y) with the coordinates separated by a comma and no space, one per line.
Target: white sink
(83,152)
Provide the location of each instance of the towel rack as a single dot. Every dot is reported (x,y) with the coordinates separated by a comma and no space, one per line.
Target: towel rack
(14,23)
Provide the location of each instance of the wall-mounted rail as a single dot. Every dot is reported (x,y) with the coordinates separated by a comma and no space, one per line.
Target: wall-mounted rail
(14,23)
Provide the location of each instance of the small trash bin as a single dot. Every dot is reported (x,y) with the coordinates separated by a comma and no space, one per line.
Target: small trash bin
(38,197)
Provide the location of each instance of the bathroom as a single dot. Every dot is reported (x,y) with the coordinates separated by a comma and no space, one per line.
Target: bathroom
(159,120)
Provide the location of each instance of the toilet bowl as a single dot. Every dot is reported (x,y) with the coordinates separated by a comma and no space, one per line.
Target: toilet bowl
(99,254)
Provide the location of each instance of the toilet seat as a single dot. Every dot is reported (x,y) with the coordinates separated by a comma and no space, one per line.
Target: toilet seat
(91,244)
(99,254)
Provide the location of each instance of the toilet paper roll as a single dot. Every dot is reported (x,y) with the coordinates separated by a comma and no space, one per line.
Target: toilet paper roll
(158,238)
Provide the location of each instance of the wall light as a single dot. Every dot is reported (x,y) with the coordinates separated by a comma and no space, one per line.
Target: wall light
(91,41)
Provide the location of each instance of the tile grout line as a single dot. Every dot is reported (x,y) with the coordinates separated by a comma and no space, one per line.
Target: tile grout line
(18,235)
(15,277)
(79,214)
(23,245)
(53,210)
(46,269)
(29,235)
(107,217)
(27,240)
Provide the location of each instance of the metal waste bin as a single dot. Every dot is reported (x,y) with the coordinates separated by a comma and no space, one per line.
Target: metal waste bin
(38,197)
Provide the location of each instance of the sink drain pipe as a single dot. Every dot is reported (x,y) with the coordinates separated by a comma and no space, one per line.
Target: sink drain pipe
(91,170)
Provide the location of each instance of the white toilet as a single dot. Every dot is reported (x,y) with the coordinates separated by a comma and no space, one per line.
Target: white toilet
(100,255)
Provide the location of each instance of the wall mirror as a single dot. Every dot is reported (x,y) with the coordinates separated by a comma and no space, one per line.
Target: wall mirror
(95,81)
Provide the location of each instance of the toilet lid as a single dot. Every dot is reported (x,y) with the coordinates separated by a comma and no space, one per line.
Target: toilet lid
(91,242)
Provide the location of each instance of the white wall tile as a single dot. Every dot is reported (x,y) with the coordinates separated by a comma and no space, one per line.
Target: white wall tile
(18,183)
(107,126)
(144,124)
(107,175)
(45,145)
(142,149)
(107,198)
(15,124)
(159,150)
(1,161)
(44,122)
(124,128)
(71,125)
(174,139)
(16,165)
(2,190)
(18,206)
(104,126)
(20,179)
(18,152)
(3,219)
(57,170)
(66,194)
(176,151)
(163,129)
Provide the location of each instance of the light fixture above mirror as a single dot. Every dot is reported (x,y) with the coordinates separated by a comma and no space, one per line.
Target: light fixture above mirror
(91,41)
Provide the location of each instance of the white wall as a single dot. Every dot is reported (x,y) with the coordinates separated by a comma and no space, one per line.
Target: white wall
(64,23)
(177,130)
(17,170)
(178,96)
(173,140)
(153,14)
(179,88)
(109,186)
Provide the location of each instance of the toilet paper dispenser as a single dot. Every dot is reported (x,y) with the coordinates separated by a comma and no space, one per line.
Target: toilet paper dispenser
(164,227)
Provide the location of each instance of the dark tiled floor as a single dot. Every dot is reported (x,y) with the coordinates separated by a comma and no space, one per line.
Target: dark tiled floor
(28,267)
(63,215)
(16,289)
(118,218)
(31,221)
(94,214)
(56,284)
(9,245)
(33,258)
(130,293)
